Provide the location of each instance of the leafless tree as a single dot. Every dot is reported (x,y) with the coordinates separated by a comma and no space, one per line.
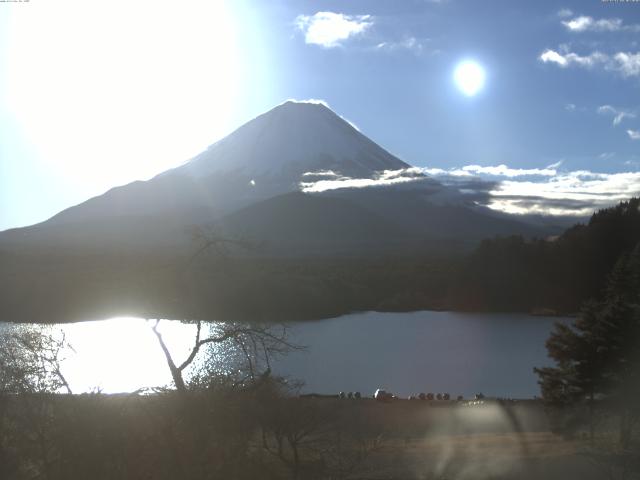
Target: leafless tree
(316,439)
(30,373)
(209,240)
(30,361)
(255,344)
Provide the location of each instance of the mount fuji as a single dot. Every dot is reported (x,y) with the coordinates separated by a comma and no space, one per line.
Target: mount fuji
(266,157)
(292,139)
(337,222)
(250,184)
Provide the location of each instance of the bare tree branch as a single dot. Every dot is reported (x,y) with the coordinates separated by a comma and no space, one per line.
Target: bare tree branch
(254,341)
(175,373)
(212,241)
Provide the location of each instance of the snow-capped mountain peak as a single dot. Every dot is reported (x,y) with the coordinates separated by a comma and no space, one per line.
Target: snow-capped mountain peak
(273,154)
(290,140)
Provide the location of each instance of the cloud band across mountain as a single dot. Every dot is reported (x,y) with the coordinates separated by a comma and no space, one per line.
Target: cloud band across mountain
(542,191)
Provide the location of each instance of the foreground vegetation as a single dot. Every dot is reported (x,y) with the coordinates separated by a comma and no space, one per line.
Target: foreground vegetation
(595,385)
(244,423)
(257,432)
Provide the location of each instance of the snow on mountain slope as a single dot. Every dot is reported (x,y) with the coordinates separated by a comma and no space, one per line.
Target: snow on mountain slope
(267,156)
(290,140)
(250,183)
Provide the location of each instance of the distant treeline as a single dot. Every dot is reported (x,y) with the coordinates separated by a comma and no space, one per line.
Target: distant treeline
(515,274)
(50,289)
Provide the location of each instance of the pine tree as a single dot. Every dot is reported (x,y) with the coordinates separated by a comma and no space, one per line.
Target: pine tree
(598,356)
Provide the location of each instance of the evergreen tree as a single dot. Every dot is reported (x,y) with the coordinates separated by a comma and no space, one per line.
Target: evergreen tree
(598,356)
(518,274)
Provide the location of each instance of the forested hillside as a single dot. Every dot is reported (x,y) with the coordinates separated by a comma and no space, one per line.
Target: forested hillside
(558,274)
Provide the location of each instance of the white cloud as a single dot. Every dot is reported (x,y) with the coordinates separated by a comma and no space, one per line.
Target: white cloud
(627,64)
(634,134)
(556,164)
(322,174)
(330,29)
(330,180)
(553,57)
(572,193)
(545,191)
(564,60)
(570,107)
(493,171)
(504,171)
(565,12)
(537,191)
(437,172)
(584,23)
(408,43)
(618,115)
(384,178)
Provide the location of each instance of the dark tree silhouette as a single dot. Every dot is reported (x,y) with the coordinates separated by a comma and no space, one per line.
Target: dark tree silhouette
(598,356)
(30,371)
(255,344)
(560,274)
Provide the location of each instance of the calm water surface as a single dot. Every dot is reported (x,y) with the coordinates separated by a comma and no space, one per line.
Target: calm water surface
(424,351)
(402,352)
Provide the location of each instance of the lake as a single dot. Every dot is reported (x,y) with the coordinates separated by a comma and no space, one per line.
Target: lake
(426,351)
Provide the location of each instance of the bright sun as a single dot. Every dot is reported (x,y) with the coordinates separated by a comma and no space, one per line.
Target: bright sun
(469,77)
(112,91)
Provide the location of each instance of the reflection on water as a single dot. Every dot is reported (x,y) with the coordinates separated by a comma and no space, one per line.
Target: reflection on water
(120,354)
(414,352)
(403,352)
(123,354)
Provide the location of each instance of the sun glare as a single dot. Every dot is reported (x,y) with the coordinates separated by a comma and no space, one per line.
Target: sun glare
(113,91)
(469,77)
(122,354)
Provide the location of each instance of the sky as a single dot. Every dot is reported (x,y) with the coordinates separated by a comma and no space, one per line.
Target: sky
(97,94)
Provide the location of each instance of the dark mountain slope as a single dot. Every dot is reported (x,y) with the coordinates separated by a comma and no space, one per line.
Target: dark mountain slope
(303,224)
(417,210)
